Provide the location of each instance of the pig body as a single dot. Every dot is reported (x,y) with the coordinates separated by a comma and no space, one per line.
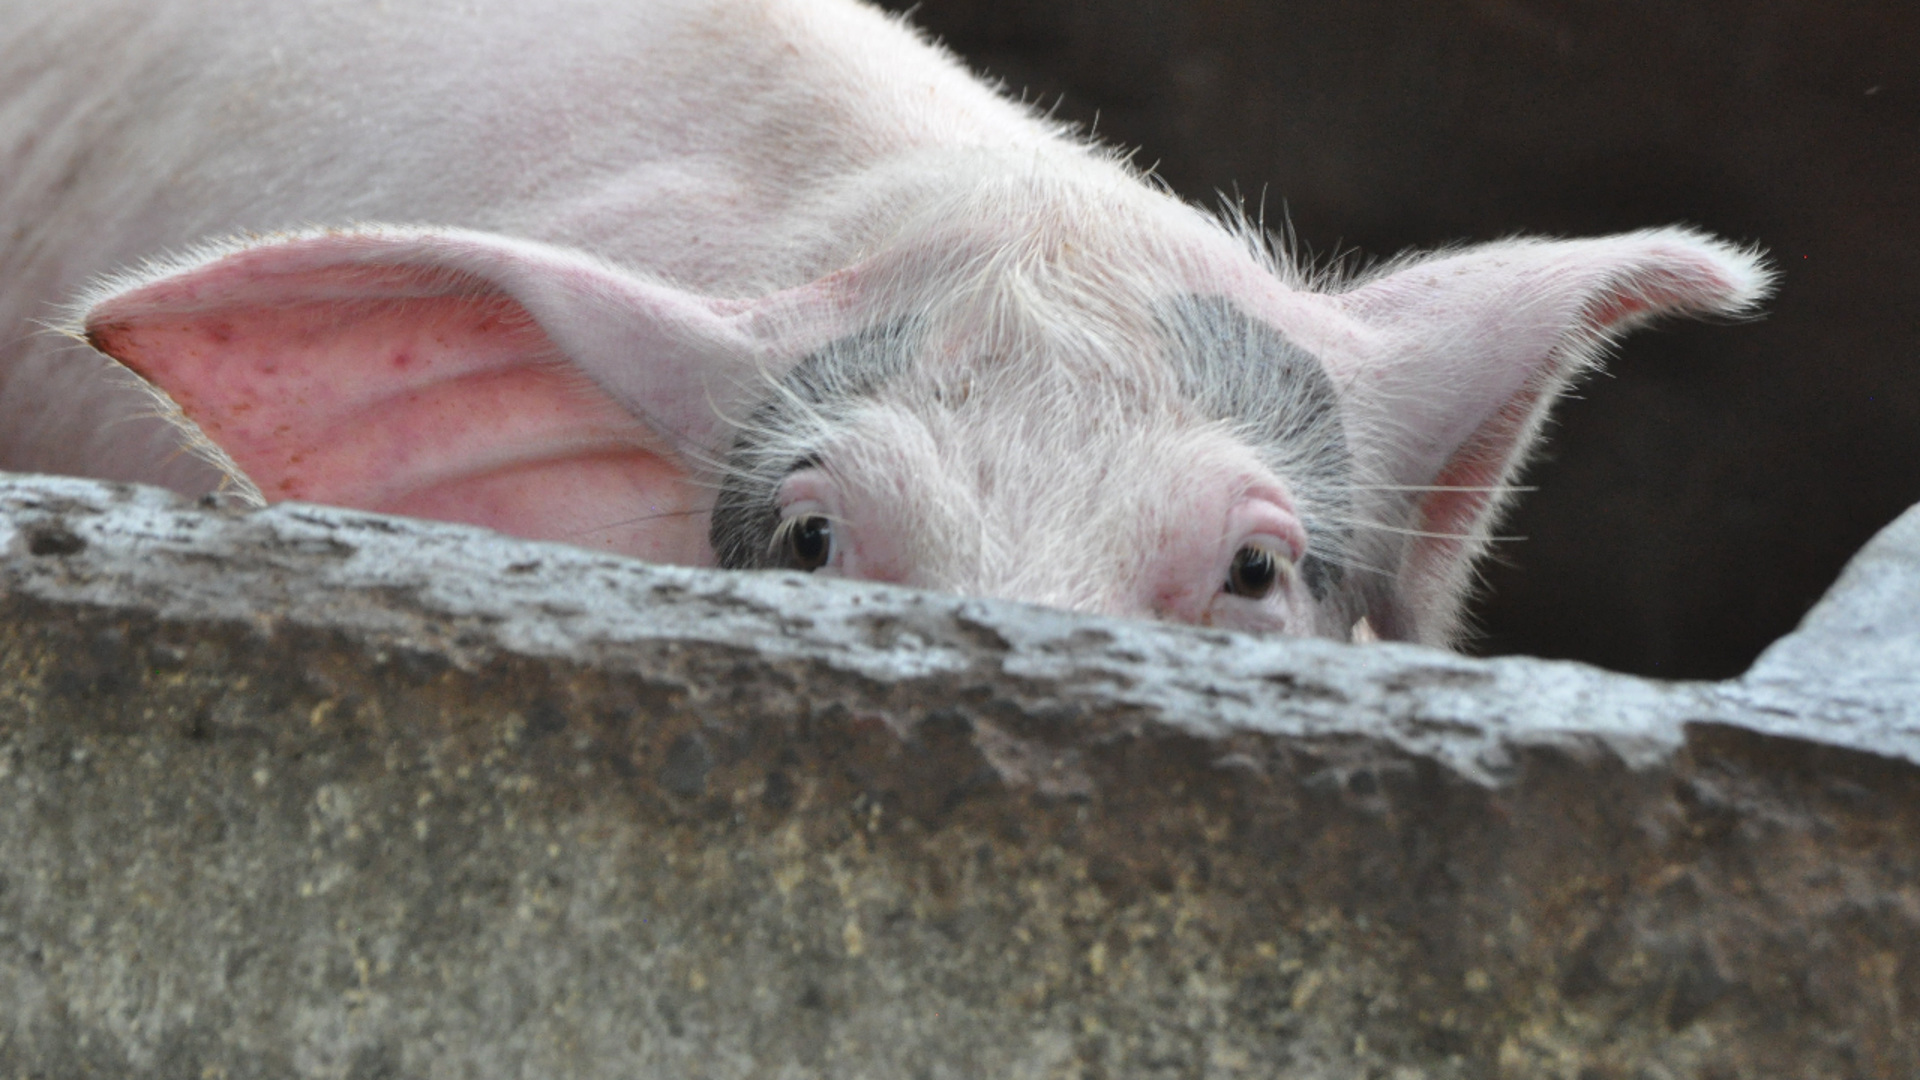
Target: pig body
(733,148)
(753,284)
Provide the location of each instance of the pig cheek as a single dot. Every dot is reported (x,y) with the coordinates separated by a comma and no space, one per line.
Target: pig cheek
(1302,613)
(1289,611)
(1187,588)
(1295,612)
(872,553)
(1186,604)
(1189,563)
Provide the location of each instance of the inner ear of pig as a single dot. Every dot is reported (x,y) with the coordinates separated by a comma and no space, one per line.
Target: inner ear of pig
(458,376)
(1448,367)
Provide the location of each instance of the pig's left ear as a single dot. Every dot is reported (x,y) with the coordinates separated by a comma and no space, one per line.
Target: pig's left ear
(453,375)
(1451,365)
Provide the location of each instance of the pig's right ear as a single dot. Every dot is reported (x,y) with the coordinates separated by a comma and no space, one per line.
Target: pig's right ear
(1449,364)
(453,375)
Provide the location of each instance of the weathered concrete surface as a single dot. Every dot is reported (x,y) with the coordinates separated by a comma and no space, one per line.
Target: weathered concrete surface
(314,793)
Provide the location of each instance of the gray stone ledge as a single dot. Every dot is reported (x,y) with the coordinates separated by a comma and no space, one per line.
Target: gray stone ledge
(311,792)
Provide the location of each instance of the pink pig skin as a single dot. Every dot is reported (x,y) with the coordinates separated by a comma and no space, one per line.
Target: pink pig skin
(541,266)
(732,149)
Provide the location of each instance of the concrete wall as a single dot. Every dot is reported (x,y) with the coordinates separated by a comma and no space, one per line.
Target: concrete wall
(313,793)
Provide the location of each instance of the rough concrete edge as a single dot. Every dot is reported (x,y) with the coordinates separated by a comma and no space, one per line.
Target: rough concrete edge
(467,593)
(1850,673)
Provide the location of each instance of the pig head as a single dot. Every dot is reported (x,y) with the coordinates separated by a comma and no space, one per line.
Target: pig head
(1163,421)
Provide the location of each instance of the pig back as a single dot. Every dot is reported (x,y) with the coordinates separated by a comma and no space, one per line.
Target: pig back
(726,146)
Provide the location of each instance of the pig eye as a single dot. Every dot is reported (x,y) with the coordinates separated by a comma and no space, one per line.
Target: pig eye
(1255,571)
(806,541)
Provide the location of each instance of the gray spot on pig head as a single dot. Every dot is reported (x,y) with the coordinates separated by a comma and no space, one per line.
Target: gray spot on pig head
(746,511)
(1281,400)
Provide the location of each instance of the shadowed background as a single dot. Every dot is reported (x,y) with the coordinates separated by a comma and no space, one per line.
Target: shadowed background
(1697,499)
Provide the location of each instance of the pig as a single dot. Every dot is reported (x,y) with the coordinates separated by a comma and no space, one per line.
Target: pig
(756,284)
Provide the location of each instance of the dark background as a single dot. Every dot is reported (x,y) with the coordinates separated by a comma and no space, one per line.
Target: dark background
(1695,501)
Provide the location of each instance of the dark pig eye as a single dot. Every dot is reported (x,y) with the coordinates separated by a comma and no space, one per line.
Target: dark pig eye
(1254,572)
(808,542)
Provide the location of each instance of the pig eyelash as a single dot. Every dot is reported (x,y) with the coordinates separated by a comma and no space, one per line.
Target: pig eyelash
(1358,524)
(639,519)
(1496,489)
(785,529)
(1346,561)
(1422,534)
(783,534)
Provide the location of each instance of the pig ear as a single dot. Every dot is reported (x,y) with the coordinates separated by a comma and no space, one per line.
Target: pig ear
(1459,357)
(451,375)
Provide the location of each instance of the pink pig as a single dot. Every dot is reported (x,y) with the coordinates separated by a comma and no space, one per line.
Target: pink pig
(754,283)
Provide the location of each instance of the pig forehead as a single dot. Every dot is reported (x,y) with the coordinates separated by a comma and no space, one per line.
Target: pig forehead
(1188,357)
(1073,467)
(1120,341)
(1194,356)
